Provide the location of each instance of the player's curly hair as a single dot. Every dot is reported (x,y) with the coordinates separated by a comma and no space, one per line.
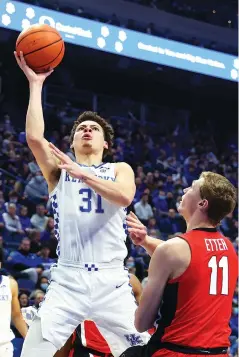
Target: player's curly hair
(107,129)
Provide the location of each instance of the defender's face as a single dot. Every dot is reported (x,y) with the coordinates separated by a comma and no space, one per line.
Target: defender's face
(190,200)
(89,136)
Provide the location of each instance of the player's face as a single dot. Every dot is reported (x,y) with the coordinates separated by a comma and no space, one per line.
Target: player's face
(89,137)
(190,200)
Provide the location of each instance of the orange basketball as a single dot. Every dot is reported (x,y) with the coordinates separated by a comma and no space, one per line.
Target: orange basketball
(42,47)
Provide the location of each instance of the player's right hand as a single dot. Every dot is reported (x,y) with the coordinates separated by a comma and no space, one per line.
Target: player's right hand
(30,74)
(137,231)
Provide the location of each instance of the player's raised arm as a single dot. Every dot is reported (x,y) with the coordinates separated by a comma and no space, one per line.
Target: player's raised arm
(35,124)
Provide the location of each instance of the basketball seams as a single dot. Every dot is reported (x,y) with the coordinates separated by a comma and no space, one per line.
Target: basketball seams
(62,48)
(31,33)
(39,49)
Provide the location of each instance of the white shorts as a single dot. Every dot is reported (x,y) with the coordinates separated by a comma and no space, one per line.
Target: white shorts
(83,293)
(6,350)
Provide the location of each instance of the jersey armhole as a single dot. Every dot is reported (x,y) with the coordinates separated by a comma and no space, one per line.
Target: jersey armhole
(56,188)
(186,272)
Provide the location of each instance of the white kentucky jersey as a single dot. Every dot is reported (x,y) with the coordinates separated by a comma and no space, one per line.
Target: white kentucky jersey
(6,334)
(88,227)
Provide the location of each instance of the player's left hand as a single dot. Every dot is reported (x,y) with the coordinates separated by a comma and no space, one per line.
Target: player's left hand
(66,163)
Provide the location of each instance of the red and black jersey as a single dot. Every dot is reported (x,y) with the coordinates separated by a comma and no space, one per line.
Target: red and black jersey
(196,307)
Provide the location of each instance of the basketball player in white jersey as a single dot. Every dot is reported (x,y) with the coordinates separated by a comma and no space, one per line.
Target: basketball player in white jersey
(9,311)
(85,342)
(88,199)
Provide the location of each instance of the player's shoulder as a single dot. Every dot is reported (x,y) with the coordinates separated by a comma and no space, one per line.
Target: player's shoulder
(175,249)
(13,284)
(123,166)
(176,243)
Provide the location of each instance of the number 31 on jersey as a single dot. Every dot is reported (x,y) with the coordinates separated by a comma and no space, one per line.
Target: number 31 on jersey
(86,196)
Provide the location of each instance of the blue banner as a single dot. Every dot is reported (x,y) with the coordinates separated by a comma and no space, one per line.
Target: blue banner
(18,16)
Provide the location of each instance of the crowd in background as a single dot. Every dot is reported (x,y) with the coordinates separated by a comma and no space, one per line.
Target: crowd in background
(163,168)
(163,164)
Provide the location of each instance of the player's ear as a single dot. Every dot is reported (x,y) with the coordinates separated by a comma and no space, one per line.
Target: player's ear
(203,204)
(106,146)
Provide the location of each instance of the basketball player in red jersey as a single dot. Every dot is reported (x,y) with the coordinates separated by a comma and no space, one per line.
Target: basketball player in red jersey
(192,277)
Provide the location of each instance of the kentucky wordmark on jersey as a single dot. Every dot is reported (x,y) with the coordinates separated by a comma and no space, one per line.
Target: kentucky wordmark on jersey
(88,227)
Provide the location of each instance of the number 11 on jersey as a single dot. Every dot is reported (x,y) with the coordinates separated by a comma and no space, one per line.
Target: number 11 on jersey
(223,264)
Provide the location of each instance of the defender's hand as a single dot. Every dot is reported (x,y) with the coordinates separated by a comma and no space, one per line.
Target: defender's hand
(137,231)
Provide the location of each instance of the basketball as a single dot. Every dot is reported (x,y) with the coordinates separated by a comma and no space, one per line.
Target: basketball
(42,46)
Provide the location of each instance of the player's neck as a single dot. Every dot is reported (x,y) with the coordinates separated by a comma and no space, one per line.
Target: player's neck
(198,222)
(89,160)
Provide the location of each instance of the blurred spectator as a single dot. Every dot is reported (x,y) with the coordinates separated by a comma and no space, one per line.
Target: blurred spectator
(13,198)
(39,220)
(22,258)
(153,228)
(48,231)
(23,300)
(12,221)
(42,284)
(24,219)
(143,209)
(139,189)
(170,200)
(44,254)
(36,189)
(160,202)
(35,238)
(229,226)
(38,299)
(33,167)
(7,124)
(152,224)
(170,224)
(177,222)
